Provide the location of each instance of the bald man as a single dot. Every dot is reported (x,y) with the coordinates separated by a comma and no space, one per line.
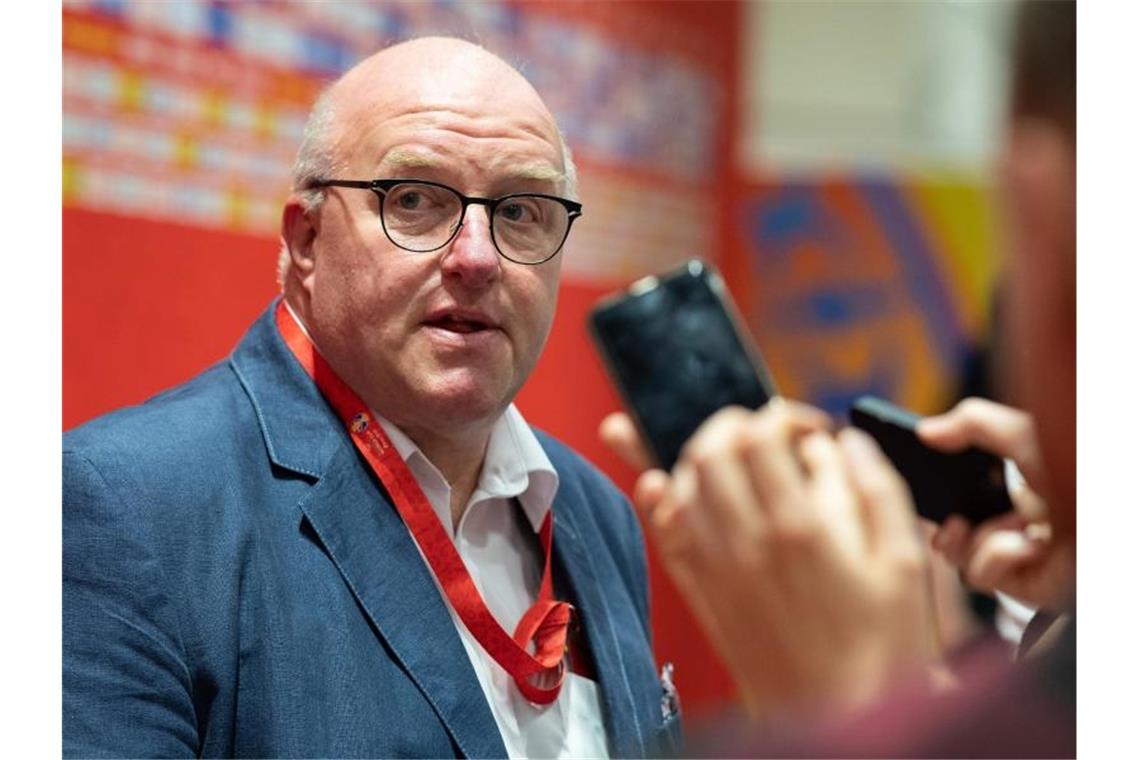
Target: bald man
(344,540)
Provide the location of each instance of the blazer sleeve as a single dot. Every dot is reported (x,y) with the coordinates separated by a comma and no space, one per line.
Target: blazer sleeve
(126,683)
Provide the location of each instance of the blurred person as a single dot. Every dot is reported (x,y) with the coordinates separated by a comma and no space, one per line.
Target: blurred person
(797,549)
(1032,555)
(337,542)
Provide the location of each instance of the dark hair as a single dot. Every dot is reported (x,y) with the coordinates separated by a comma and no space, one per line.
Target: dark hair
(1045,62)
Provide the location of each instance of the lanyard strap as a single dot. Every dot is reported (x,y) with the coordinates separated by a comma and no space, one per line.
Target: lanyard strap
(545,623)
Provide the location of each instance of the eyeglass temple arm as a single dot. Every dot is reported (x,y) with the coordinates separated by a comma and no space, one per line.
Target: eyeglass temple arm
(365,184)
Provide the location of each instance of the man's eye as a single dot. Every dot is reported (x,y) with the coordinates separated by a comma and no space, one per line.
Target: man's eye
(410,200)
(518,212)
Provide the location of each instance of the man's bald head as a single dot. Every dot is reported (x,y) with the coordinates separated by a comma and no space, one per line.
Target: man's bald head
(446,67)
(444,70)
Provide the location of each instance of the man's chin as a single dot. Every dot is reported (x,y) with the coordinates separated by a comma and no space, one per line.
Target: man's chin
(464,405)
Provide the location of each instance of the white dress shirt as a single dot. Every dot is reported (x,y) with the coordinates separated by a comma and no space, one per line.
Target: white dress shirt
(503,555)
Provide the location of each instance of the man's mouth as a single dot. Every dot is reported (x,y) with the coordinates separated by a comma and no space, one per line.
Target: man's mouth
(460,323)
(454,324)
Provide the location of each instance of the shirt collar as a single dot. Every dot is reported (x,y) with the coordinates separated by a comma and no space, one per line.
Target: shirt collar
(515,465)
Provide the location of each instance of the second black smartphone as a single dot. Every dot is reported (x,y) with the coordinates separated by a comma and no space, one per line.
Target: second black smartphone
(970,483)
(675,348)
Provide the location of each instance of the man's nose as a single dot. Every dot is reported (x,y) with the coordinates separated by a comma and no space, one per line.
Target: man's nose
(471,255)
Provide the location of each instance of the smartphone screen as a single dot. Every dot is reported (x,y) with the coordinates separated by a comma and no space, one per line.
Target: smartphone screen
(673,347)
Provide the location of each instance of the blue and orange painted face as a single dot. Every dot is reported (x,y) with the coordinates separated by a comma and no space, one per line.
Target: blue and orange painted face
(860,288)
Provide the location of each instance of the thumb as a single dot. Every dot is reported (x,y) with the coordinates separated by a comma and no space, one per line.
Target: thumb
(619,433)
(993,427)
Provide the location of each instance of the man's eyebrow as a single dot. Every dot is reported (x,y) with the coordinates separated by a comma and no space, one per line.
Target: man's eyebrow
(539,170)
(411,159)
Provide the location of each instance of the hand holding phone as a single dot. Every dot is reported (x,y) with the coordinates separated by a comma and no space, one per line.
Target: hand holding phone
(970,483)
(674,346)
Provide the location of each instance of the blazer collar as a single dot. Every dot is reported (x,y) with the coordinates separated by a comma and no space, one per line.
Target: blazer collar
(301,430)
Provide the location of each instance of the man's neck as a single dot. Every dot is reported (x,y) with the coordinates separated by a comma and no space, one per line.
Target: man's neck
(458,458)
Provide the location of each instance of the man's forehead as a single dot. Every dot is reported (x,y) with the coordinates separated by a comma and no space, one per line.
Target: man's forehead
(444,70)
(469,110)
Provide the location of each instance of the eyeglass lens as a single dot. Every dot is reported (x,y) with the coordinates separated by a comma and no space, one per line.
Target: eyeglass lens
(423,217)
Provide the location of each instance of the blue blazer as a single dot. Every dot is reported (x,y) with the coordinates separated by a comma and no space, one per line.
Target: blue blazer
(237,583)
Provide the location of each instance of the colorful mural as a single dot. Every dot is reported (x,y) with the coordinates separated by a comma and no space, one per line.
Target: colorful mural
(868,285)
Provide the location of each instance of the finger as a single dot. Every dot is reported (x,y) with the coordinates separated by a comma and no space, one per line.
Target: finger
(977,422)
(722,485)
(667,523)
(834,499)
(959,541)
(952,539)
(1028,504)
(619,433)
(682,520)
(770,445)
(993,427)
(999,555)
(649,491)
(884,499)
(826,470)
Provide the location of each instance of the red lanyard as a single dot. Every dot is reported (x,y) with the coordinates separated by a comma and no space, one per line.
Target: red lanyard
(545,623)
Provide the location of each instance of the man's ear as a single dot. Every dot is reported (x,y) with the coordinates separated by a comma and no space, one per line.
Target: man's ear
(298,232)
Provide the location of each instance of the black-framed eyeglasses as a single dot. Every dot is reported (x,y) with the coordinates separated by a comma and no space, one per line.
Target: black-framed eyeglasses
(422,216)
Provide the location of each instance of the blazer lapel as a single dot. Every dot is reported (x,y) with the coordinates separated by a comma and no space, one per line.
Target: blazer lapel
(604,632)
(365,537)
(373,550)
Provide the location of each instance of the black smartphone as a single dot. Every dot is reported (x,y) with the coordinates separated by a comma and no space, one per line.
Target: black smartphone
(676,349)
(970,483)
